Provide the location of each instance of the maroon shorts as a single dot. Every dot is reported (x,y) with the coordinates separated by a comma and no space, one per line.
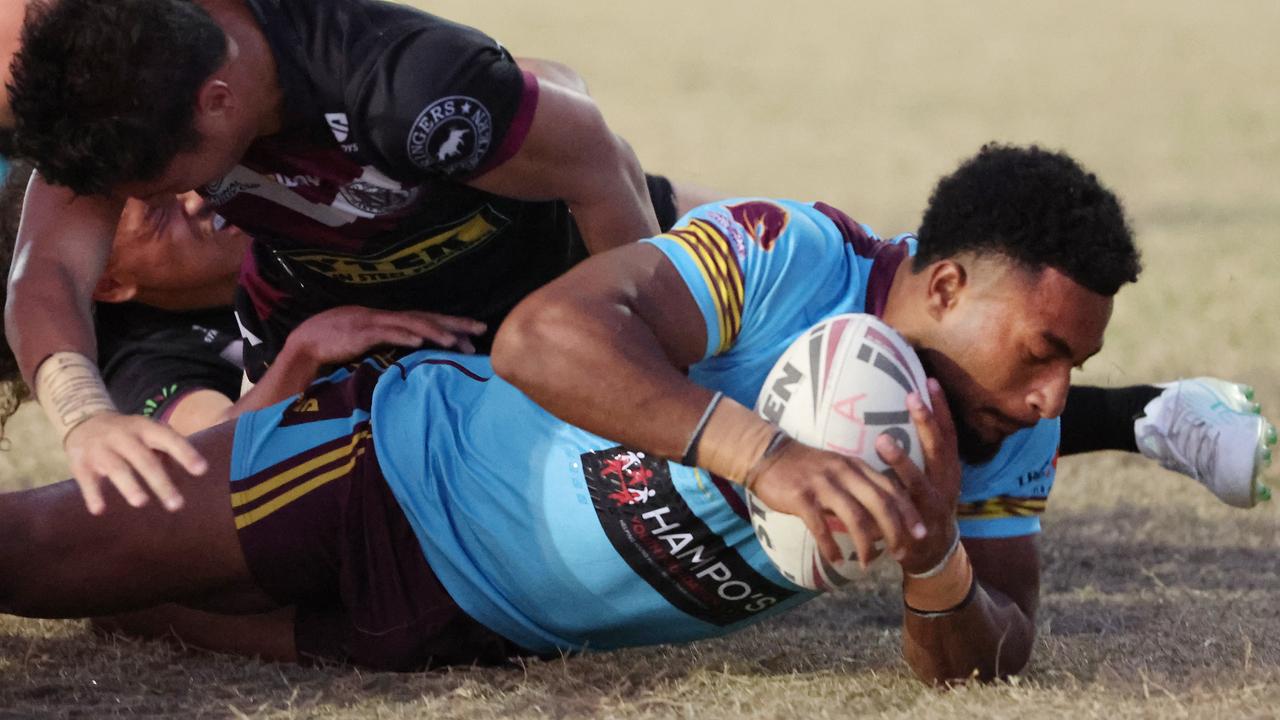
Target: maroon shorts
(321,531)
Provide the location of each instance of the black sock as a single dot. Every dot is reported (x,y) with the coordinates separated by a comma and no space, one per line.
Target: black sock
(1102,418)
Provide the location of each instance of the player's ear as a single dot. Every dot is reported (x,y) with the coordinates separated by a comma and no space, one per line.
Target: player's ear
(112,289)
(947,280)
(214,101)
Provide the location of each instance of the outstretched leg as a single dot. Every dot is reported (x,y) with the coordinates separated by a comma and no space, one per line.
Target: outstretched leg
(269,636)
(57,560)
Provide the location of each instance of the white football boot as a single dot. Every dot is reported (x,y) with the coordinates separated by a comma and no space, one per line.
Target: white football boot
(1213,431)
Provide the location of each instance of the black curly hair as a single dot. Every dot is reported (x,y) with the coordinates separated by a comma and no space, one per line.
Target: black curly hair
(1036,207)
(13,391)
(104,91)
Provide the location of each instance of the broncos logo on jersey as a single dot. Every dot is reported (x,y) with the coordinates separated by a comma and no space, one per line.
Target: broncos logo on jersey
(764,221)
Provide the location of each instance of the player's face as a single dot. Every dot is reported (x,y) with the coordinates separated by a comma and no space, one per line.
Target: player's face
(1005,351)
(175,242)
(210,160)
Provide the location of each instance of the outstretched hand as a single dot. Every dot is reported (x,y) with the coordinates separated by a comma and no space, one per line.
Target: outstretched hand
(344,333)
(124,450)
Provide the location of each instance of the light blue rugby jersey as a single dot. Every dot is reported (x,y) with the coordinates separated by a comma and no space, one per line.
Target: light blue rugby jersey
(562,540)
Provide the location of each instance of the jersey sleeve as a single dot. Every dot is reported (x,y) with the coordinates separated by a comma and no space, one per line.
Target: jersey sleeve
(149,384)
(437,98)
(758,269)
(1006,497)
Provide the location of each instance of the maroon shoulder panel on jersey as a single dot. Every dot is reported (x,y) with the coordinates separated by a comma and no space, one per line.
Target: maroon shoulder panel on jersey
(885,257)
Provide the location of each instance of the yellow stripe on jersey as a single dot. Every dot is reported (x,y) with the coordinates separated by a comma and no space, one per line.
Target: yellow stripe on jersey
(712,252)
(1001,507)
(246,519)
(247,496)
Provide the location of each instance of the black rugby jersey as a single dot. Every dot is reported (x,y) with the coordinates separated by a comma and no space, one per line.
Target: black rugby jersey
(359,199)
(151,357)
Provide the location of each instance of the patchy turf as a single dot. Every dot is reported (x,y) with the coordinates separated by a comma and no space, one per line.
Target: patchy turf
(1157,602)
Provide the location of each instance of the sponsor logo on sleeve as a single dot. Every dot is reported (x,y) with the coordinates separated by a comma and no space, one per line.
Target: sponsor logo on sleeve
(339,125)
(452,135)
(666,544)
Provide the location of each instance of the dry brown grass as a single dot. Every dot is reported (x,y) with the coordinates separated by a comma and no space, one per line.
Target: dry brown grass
(1157,602)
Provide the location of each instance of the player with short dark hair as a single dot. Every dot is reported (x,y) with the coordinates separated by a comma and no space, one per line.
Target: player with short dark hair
(433,513)
(168,344)
(127,94)
(379,156)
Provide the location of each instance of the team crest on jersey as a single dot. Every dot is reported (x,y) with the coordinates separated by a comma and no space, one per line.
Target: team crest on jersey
(377,199)
(220,192)
(452,135)
(659,536)
(764,221)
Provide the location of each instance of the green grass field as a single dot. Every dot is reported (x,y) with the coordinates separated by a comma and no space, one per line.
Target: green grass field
(1157,602)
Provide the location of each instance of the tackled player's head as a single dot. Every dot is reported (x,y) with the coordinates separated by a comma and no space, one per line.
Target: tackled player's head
(103,92)
(1021,251)
(171,253)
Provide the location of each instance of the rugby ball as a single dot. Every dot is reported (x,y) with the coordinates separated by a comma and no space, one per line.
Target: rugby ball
(837,387)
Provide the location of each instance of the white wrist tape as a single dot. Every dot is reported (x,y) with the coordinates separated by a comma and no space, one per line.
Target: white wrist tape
(71,390)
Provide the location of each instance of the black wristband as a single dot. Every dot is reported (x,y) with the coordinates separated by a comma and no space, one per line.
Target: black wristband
(690,456)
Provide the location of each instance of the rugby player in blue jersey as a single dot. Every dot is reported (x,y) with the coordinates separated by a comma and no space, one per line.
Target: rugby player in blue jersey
(435,513)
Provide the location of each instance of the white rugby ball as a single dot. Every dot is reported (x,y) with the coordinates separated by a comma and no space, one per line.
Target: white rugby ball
(837,387)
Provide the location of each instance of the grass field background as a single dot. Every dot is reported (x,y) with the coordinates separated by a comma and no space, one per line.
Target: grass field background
(1157,602)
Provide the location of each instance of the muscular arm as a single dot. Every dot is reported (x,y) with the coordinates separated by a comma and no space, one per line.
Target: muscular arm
(62,249)
(991,636)
(63,245)
(605,347)
(572,155)
(626,320)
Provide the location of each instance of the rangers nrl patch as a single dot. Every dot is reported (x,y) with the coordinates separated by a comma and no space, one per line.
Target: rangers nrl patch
(452,135)
(668,545)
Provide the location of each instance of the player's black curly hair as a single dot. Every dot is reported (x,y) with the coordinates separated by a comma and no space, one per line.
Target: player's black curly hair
(104,91)
(12,390)
(1036,207)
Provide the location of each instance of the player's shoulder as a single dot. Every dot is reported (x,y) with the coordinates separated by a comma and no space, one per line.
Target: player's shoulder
(759,225)
(346,37)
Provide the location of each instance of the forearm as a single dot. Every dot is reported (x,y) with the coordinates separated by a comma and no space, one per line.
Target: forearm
(601,370)
(291,373)
(989,638)
(47,313)
(61,251)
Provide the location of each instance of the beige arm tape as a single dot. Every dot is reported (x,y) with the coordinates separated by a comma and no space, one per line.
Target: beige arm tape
(734,439)
(71,390)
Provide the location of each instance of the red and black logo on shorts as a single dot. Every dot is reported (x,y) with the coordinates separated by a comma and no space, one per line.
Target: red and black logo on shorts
(664,542)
